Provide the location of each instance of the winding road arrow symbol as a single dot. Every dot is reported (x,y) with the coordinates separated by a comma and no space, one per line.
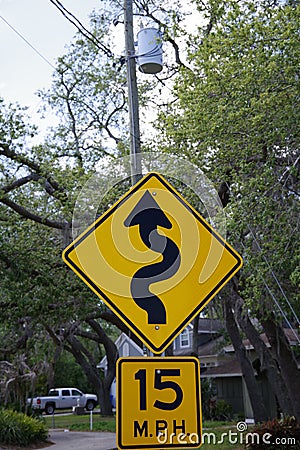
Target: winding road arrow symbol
(148,216)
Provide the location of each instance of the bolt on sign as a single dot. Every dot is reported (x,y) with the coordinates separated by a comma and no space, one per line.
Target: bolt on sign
(154,260)
(158,403)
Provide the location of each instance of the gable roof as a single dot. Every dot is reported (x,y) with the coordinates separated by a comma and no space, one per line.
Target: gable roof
(121,340)
(210,348)
(291,335)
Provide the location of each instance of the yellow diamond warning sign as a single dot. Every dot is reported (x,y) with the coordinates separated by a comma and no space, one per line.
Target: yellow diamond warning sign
(153,260)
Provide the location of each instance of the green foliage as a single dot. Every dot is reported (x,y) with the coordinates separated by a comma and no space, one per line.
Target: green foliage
(19,429)
(213,409)
(87,95)
(68,373)
(236,117)
(222,410)
(282,434)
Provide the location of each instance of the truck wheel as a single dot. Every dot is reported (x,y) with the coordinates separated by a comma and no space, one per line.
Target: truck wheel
(90,405)
(49,408)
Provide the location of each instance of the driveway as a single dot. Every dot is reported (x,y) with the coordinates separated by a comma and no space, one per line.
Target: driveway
(78,440)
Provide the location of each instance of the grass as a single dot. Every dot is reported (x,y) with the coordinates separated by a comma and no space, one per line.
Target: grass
(215,441)
(81,423)
(216,437)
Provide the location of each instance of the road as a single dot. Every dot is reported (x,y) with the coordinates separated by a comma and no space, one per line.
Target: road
(78,440)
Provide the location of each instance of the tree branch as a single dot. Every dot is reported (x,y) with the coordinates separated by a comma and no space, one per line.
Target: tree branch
(51,186)
(18,183)
(34,217)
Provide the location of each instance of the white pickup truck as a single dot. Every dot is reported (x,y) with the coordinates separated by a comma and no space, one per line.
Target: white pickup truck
(63,398)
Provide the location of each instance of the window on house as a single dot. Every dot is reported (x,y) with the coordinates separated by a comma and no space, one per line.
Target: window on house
(185,339)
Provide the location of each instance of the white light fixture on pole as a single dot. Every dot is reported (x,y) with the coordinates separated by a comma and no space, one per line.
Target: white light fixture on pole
(149,50)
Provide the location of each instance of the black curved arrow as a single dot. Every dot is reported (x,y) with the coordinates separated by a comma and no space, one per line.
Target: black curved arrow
(148,216)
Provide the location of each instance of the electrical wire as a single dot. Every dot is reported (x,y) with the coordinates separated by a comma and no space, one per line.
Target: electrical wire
(275,277)
(278,284)
(278,305)
(81,28)
(27,42)
(271,293)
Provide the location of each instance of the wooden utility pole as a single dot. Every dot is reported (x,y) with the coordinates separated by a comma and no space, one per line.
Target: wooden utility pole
(133,101)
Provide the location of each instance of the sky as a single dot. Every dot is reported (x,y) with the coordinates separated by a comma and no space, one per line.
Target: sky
(23,71)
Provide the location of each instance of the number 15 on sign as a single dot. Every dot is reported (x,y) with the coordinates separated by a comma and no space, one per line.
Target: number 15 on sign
(158,403)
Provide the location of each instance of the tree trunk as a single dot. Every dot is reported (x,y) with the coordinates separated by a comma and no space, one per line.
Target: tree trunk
(101,385)
(268,364)
(50,373)
(86,360)
(91,372)
(255,396)
(195,335)
(112,356)
(281,350)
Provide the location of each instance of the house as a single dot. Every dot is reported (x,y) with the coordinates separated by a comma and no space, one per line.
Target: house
(208,331)
(218,364)
(126,347)
(208,342)
(221,368)
(226,376)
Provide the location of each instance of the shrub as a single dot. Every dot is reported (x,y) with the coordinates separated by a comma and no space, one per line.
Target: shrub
(18,429)
(281,434)
(223,411)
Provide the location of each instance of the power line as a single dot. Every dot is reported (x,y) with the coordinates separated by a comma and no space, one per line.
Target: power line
(277,282)
(81,28)
(75,22)
(278,305)
(275,277)
(28,43)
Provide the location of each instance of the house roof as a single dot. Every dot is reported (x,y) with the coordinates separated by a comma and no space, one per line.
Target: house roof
(124,338)
(119,342)
(230,368)
(211,347)
(207,325)
(291,335)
